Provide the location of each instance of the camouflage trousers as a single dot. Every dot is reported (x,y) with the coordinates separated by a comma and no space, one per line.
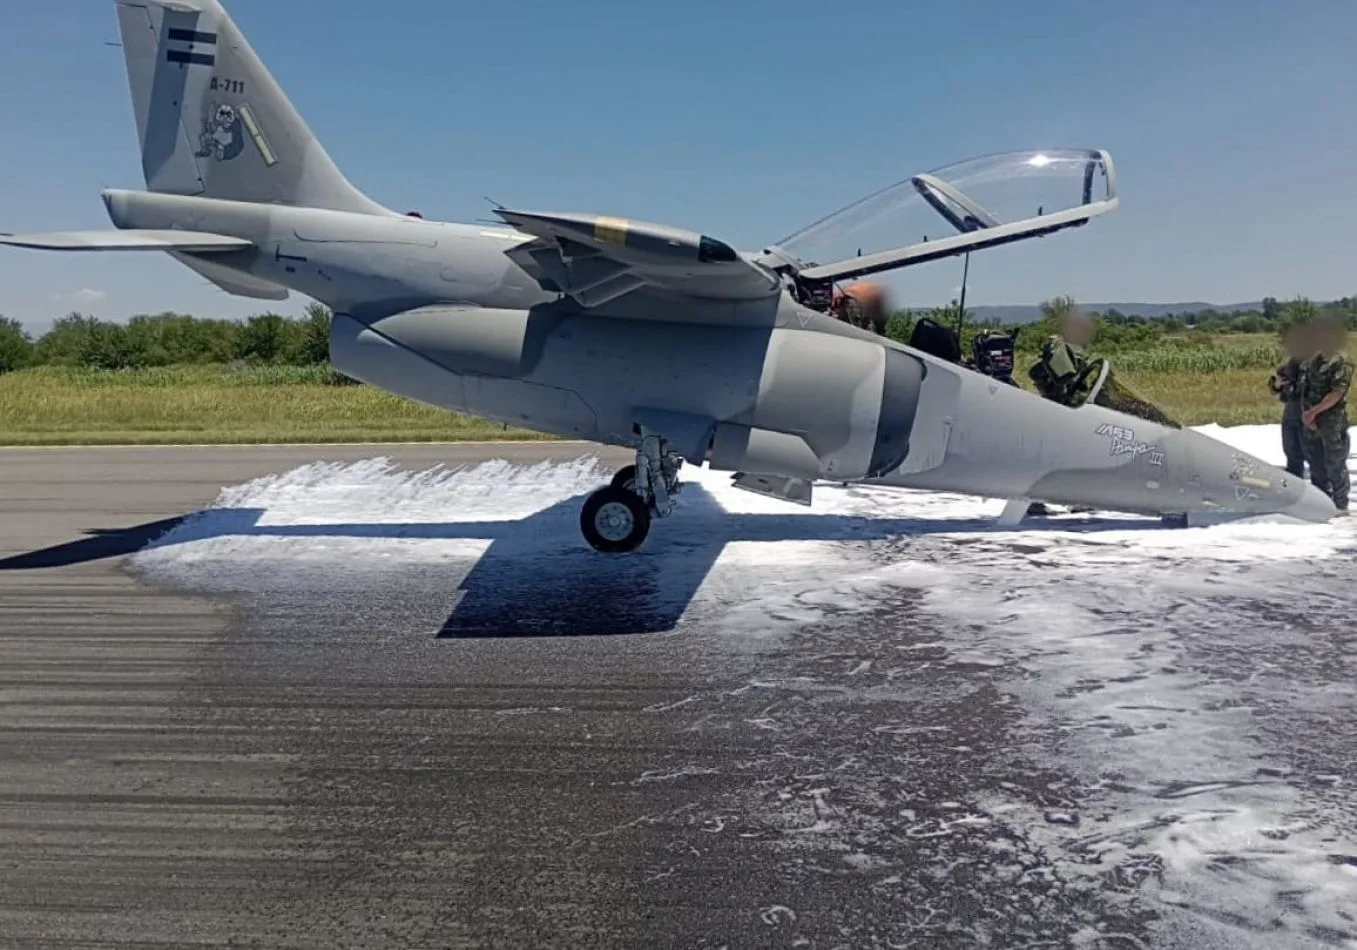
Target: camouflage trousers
(1293,440)
(1326,449)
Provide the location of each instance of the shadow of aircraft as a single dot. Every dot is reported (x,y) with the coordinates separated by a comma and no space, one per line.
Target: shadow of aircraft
(539,578)
(98,544)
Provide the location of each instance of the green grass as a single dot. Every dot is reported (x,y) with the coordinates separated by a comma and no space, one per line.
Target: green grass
(1232,397)
(1197,380)
(209,404)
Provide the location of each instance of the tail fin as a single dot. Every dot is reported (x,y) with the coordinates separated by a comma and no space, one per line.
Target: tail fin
(212,121)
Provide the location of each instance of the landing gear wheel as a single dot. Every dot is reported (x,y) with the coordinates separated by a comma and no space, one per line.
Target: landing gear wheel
(614,520)
(625,478)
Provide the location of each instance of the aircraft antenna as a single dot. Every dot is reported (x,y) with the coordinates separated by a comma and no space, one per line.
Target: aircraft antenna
(961,304)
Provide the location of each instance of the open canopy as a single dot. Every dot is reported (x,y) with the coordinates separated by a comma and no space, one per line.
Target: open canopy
(983,202)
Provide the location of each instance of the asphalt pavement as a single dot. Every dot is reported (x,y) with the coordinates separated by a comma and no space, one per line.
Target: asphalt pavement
(335,764)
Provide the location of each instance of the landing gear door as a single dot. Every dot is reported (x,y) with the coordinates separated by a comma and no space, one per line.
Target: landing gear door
(951,211)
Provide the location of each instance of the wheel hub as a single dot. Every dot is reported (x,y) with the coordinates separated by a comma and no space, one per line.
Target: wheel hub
(614,521)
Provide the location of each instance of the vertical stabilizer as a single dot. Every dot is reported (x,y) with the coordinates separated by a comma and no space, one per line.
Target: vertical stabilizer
(211,119)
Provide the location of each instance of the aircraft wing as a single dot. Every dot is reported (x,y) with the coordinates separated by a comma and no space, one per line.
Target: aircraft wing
(595,260)
(196,242)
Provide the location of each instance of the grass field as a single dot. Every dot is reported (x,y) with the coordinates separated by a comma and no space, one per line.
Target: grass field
(1224,381)
(58,406)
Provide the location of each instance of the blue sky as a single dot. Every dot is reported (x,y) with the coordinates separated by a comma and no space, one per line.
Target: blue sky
(1232,125)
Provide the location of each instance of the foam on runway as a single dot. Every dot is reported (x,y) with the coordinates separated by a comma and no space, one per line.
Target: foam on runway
(1172,661)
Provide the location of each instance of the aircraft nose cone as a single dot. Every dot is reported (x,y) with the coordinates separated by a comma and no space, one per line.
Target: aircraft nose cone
(1232,480)
(1312,505)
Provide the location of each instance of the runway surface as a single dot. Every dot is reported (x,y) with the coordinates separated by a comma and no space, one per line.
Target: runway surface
(356,703)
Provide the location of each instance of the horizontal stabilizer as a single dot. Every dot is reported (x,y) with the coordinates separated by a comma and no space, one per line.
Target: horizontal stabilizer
(128,240)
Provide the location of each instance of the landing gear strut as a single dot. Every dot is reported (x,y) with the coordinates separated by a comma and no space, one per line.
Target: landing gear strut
(616,519)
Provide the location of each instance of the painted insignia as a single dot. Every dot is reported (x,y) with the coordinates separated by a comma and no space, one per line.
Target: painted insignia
(223,135)
(1244,467)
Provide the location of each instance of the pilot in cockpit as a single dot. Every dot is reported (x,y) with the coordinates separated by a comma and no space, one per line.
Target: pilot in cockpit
(863,305)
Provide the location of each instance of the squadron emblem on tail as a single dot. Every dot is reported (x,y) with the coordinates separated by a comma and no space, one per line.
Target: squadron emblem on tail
(222,136)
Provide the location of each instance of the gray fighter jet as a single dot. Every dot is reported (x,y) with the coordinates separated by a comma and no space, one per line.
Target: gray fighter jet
(657,338)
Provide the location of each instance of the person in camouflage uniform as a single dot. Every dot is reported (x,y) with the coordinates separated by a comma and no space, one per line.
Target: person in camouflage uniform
(1286,384)
(1064,373)
(1062,362)
(1324,413)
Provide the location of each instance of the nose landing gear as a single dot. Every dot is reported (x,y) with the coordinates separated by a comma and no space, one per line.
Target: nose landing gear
(616,519)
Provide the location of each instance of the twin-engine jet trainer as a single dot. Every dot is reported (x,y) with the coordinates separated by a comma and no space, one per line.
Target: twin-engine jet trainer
(664,340)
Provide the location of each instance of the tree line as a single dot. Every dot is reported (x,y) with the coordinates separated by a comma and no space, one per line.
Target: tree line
(1271,316)
(176,339)
(1126,332)
(169,339)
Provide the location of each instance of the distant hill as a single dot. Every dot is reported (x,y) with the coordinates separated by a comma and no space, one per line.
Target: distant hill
(1018,313)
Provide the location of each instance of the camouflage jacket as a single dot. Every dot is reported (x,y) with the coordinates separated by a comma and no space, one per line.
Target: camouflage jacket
(1327,375)
(1056,368)
(1289,379)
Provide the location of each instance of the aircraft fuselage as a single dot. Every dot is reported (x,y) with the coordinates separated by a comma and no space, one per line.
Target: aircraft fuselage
(353,263)
(437,312)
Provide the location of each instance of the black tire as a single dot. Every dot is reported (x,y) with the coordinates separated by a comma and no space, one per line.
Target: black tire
(614,520)
(625,478)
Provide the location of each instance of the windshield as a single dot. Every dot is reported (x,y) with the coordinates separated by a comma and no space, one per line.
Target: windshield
(978,193)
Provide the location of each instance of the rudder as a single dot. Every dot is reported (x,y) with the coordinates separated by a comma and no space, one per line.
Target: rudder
(213,122)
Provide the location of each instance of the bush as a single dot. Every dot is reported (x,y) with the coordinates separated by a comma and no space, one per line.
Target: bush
(264,339)
(80,340)
(174,339)
(314,346)
(16,348)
